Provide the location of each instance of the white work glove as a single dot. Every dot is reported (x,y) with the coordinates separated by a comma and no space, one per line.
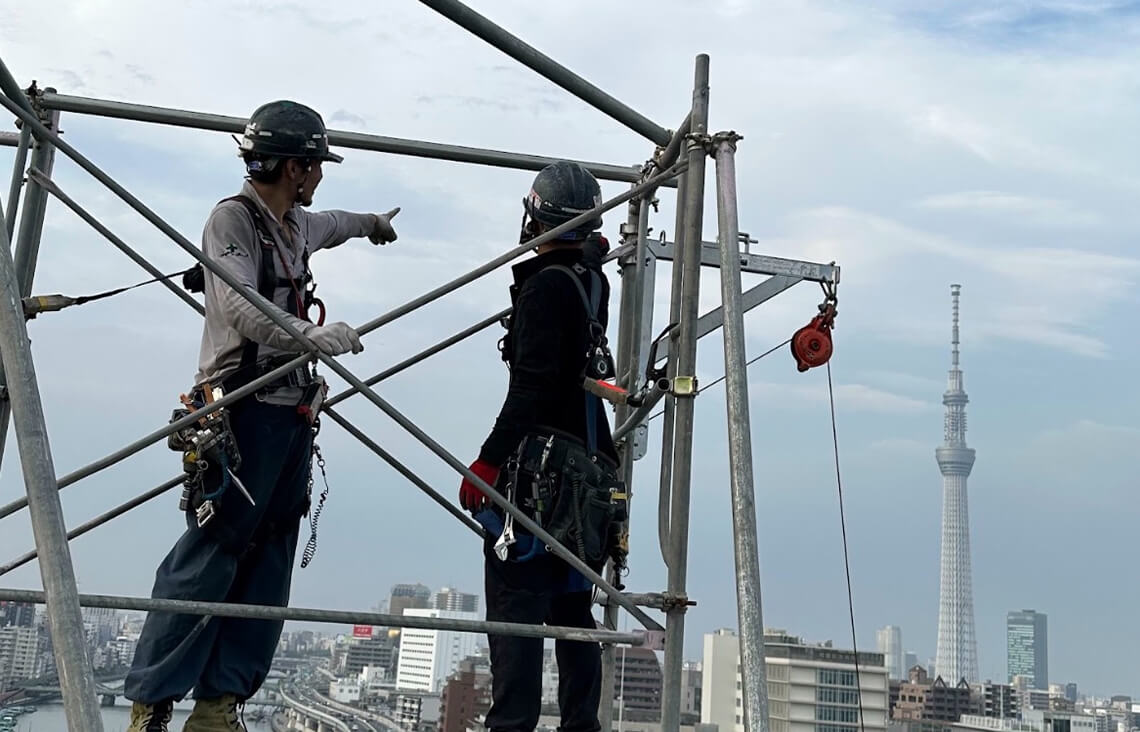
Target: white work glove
(382,231)
(335,338)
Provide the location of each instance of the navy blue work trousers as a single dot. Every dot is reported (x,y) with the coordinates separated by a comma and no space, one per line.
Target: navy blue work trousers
(533,592)
(243,555)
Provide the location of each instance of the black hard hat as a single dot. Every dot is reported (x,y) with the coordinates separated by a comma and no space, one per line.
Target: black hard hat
(562,191)
(285,129)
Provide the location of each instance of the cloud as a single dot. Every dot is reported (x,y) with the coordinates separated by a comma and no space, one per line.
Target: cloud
(1027,210)
(342,116)
(1087,432)
(1046,296)
(900,445)
(905,381)
(848,397)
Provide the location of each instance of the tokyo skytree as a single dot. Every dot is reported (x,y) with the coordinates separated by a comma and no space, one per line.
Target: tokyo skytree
(957,645)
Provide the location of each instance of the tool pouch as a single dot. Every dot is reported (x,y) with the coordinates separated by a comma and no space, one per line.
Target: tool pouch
(575,497)
(209,452)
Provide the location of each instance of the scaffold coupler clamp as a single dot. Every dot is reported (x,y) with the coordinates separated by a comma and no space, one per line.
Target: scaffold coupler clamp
(676,601)
(812,345)
(702,141)
(729,136)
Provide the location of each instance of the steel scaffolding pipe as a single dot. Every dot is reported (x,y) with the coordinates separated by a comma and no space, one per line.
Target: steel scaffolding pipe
(98,521)
(514,47)
(748,601)
(409,426)
(19,164)
(27,242)
(402,469)
(342,138)
(8,221)
(51,187)
(685,406)
(153,437)
(347,617)
(12,90)
(665,481)
(56,571)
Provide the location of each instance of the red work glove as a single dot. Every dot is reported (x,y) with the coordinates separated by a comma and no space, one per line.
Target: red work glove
(470,497)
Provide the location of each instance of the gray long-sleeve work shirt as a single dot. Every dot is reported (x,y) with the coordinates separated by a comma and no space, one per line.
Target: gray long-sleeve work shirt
(230,240)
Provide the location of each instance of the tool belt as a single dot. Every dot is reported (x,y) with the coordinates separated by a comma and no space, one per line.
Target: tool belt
(210,457)
(300,378)
(576,497)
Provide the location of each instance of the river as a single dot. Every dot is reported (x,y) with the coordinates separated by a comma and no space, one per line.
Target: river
(50,718)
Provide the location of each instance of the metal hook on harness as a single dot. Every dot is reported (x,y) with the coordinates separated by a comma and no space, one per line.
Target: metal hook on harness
(812,345)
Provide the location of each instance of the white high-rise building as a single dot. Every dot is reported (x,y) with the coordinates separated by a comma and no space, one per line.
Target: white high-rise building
(890,645)
(428,657)
(957,645)
(21,654)
(718,679)
(811,688)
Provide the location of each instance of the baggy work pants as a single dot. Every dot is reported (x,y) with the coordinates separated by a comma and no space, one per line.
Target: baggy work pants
(531,592)
(244,555)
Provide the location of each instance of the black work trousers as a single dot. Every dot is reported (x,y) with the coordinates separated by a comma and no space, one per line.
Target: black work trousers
(532,592)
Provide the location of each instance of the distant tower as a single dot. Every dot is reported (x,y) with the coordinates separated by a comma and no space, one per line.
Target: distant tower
(890,645)
(957,644)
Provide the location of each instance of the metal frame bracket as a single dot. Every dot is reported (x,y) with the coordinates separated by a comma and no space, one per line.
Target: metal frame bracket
(684,386)
(654,640)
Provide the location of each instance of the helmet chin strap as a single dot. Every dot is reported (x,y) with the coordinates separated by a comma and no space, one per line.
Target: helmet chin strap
(528,229)
(299,198)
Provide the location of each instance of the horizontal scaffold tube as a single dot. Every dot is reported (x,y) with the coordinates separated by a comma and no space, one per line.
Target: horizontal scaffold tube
(351,140)
(99,520)
(348,617)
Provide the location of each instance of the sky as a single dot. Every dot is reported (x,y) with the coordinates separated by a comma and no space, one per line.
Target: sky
(915,144)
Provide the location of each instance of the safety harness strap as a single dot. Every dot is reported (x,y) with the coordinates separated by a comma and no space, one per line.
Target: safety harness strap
(591,302)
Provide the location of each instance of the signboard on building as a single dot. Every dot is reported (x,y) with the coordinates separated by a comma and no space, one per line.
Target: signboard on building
(362,631)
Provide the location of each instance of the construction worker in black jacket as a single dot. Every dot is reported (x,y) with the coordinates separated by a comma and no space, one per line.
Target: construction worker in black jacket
(552,454)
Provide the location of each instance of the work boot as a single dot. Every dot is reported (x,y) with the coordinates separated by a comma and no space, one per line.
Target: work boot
(216,715)
(150,717)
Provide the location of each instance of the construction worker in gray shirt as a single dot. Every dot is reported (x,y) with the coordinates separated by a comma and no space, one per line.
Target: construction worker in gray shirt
(243,523)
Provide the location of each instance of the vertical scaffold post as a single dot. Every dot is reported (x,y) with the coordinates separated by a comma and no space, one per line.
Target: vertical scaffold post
(684,388)
(665,490)
(630,337)
(28,241)
(18,168)
(748,604)
(76,678)
(35,206)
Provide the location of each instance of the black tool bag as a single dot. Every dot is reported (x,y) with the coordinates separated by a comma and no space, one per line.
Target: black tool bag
(578,498)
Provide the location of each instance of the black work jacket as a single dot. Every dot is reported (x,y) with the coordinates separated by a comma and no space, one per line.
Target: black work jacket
(545,348)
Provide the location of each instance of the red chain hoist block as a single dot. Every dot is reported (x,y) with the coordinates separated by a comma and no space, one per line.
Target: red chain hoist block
(811,344)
